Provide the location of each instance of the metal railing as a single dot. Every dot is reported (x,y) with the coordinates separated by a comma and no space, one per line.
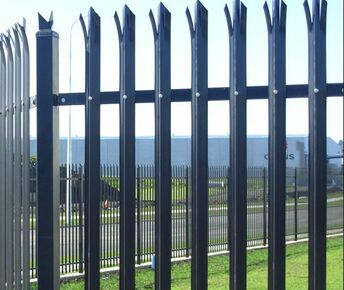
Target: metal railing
(14,157)
(72,237)
(46,230)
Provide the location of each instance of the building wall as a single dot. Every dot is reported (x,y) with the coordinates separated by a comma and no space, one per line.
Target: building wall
(257,150)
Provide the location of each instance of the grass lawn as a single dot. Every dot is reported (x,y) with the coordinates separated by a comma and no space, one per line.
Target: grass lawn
(297,271)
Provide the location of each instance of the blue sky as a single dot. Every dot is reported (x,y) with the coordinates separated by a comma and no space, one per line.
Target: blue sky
(66,12)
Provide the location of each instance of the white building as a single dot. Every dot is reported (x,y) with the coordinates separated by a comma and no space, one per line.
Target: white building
(257,150)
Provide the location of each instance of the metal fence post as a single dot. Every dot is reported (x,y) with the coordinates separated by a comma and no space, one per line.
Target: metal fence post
(199,146)
(2,167)
(163,224)
(9,164)
(127,148)
(138,214)
(81,220)
(295,204)
(17,158)
(48,174)
(187,245)
(317,93)
(228,208)
(92,152)
(26,158)
(238,159)
(264,206)
(276,26)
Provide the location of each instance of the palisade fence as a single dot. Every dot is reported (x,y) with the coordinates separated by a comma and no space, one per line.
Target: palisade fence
(14,159)
(72,226)
(42,230)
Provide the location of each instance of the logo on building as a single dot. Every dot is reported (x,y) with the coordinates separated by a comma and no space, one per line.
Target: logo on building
(288,156)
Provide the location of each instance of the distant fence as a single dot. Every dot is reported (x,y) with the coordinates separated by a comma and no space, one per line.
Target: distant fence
(71,233)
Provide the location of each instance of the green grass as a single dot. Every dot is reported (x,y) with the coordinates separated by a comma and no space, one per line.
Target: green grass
(296,267)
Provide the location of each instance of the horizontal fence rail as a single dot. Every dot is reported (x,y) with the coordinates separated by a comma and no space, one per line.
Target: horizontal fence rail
(57,219)
(184,95)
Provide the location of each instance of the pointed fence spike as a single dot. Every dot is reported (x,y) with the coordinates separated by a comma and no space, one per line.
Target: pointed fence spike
(190,22)
(51,19)
(308,15)
(84,29)
(229,20)
(118,26)
(283,16)
(43,23)
(153,23)
(267,16)
(243,18)
(323,14)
